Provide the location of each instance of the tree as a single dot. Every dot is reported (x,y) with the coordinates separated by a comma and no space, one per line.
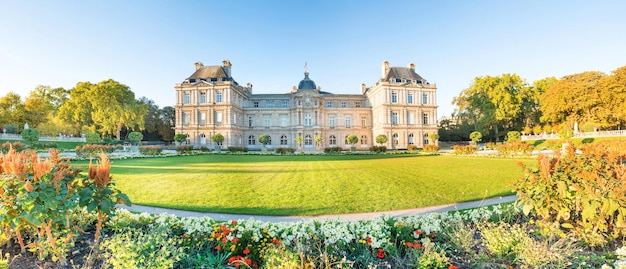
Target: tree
(93,138)
(514,136)
(11,109)
(381,139)
(180,138)
(476,137)
(615,99)
(31,135)
(135,137)
(76,111)
(218,138)
(352,140)
(10,128)
(264,139)
(318,139)
(152,120)
(167,116)
(433,138)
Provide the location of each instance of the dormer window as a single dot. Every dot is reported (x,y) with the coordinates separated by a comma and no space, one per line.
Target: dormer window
(213,79)
(192,80)
(398,80)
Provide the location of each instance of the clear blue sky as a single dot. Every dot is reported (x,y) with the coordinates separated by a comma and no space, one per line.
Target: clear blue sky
(152,45)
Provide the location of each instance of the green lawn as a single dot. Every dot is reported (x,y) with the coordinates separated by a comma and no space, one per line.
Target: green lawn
(311,185)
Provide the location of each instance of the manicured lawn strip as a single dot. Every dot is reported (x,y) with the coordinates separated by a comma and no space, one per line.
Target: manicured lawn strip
(543,143)
(311,185)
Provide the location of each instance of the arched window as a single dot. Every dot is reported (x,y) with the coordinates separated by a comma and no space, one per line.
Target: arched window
(394,138)
(308,141)
(251,140)
(332,140)
(283,140)
(363,140)
(411,142)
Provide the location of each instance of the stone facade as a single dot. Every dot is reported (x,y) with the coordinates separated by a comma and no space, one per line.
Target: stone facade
(402,105)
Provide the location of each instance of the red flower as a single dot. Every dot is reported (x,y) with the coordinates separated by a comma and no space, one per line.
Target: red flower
(380,254)
(417,232)
(248,261)
(276,242)
(246,251)
(231,259)
(433,236)
(369,240)
(223,227)
(235,240)
(409,244)
(224,239)
(218,248)
(452,267)
(233,223)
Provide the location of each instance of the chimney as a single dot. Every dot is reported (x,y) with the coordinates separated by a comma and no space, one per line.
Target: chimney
(411,66)
(198,65)
(385,69)
(226,64)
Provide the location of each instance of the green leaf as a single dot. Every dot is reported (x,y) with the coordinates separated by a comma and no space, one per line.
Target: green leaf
(91,207)
(124,198)
(526,209)
(30,218)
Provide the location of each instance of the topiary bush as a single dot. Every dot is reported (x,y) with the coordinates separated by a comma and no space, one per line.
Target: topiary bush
(430,148)
(584,193)
(464,150)
(378,149)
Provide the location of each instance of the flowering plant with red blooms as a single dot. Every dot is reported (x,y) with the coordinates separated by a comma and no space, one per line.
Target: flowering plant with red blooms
(380,253)
(452,267)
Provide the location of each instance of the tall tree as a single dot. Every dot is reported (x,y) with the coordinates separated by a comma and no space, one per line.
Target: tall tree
(614,87)
(531,105)
(575,98)
(152,120)
(76,111)
(11,110)
(166,128)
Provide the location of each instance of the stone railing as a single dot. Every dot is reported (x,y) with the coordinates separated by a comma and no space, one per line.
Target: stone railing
(43,138)
(577,135)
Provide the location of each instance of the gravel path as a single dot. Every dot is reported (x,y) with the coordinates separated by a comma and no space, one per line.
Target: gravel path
(355,216)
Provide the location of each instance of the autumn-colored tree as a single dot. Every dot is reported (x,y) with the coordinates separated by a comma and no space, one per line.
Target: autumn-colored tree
(11,110)
(614,87)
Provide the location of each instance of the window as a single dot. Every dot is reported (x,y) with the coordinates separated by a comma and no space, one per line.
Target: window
(187,98)
(363,140)
(202,117)
(332,140)
(299,103)
(270,104)
(203,97)
(409,98)
(363,122)
(251,140)
(411,142)
(425,98)
(348,122)
(267,121)
(283,140)
(234,118)
(425,139)
(331,122)
(308,141)
(394,138)
(256,104)
(394,118)
(283,121)
(218,97)
(250,121)
(329,104)
(218,118)
(186,118)
(357,104)
(425,119)
(398,80)
(394,97)
(411,117)
(307,120)
(285,103)
(343,103)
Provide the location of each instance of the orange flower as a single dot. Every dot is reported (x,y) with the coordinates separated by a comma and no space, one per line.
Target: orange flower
(452,267)
(246,251)
(218,248)
(380,254)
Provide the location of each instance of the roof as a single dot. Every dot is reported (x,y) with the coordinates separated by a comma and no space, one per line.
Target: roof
(403,73)
(306,83)
(205,72)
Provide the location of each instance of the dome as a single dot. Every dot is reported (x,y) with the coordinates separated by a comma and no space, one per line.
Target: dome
(306,83)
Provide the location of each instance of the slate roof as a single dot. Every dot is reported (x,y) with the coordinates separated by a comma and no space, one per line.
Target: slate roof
(403,73)
(206,72)
(307,83)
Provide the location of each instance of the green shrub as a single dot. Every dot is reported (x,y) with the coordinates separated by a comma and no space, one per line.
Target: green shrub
(332,150)
(135,248)
(30,135)
(277,258)
(515,148)
(91,151)
(464,150)
(235,149)
(135,137)
(378,149)
(430,148)
(583,193)
(44,145)
(92,138)
(150,150)
(205,149)
(411,148)
(184,149)
(283,151)
(514,136)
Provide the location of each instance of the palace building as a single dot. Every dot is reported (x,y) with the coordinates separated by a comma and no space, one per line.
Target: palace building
(401,105)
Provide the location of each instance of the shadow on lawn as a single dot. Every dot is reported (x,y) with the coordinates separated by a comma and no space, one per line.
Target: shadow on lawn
(248,211)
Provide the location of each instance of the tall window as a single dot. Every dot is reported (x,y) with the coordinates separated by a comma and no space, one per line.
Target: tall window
(343,103)
(283,121)
(394,97)
(218,118)
(425,98)
(394,118)
(308,141)
(332,140)
(267,121)
(255,104)
(411,117)
(283,140)
(329,104)
(270,104)
(363,121)
(186,98)
(285,103)
(202,117)
(394,138)
(251,140)
(331,122)
(348,122)
(425,139)
(203,97)
(363,140)
(409,98)
(425,119)
(218,97)
(307,120)
(186,118)
(411,142)
(250,121)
